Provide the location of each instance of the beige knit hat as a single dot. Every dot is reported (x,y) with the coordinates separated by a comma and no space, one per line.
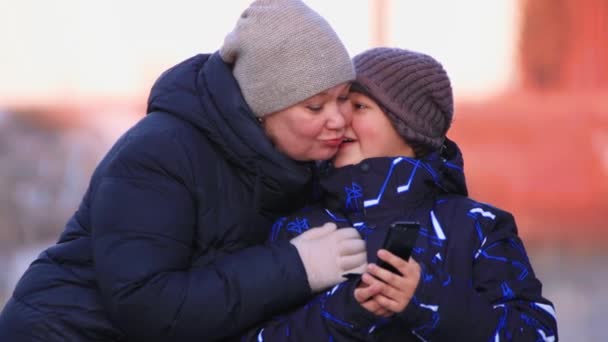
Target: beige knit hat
(283,53)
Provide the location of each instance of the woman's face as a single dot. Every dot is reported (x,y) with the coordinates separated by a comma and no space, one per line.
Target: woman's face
(312,129)
(370,134)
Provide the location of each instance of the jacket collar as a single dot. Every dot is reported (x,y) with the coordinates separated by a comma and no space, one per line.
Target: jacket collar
(398,185)
(376,185)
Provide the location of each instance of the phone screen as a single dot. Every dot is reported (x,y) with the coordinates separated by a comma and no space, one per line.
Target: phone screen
(400,240)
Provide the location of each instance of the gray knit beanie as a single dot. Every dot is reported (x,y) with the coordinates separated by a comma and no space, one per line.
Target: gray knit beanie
(413,89)
(283,53)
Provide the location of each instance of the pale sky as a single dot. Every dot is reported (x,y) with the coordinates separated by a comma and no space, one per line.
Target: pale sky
(53,49)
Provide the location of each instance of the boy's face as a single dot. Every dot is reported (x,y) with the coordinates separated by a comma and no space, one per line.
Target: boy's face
(369,134)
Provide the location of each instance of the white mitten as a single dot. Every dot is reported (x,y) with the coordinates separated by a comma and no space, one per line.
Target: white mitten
(327,253)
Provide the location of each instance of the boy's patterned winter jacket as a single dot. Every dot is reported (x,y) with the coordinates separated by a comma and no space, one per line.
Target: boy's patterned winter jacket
(477,283)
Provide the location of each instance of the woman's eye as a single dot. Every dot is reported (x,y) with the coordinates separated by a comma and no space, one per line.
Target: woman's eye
(315,108)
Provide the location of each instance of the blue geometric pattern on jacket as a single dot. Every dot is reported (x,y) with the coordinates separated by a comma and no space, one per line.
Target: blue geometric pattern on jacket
(298,225)
(400,188)
(353,193)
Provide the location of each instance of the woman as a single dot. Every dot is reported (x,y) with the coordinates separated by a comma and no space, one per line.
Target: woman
(469,278)
(168,241)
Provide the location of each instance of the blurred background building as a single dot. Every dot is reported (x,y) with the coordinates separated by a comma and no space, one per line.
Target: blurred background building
(530,79)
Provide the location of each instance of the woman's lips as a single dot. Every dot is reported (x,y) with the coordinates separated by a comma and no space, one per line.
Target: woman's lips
(333,142)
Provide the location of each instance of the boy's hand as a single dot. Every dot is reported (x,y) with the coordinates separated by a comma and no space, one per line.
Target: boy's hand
(385,293)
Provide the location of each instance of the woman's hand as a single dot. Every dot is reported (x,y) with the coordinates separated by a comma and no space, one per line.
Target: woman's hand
(385,293)
(328,252)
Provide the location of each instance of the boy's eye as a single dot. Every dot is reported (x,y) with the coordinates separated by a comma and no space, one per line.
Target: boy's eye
(358,105)
(314,108)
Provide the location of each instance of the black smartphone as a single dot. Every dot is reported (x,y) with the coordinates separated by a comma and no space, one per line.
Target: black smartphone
(400,240)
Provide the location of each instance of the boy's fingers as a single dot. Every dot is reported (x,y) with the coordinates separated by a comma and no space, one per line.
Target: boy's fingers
(385,275)
(387,303)
(363,294)
(393,260)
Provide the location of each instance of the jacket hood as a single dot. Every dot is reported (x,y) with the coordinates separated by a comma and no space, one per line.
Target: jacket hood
(450,163)
(202,91)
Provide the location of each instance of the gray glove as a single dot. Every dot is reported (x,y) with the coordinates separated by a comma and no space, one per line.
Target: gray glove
(327,253)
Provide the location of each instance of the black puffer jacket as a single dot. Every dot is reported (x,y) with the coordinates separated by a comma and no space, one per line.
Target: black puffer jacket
(168,241)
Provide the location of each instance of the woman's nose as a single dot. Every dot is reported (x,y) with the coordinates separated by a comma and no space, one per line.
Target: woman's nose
(341,117)
(337,119)
(347,109)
